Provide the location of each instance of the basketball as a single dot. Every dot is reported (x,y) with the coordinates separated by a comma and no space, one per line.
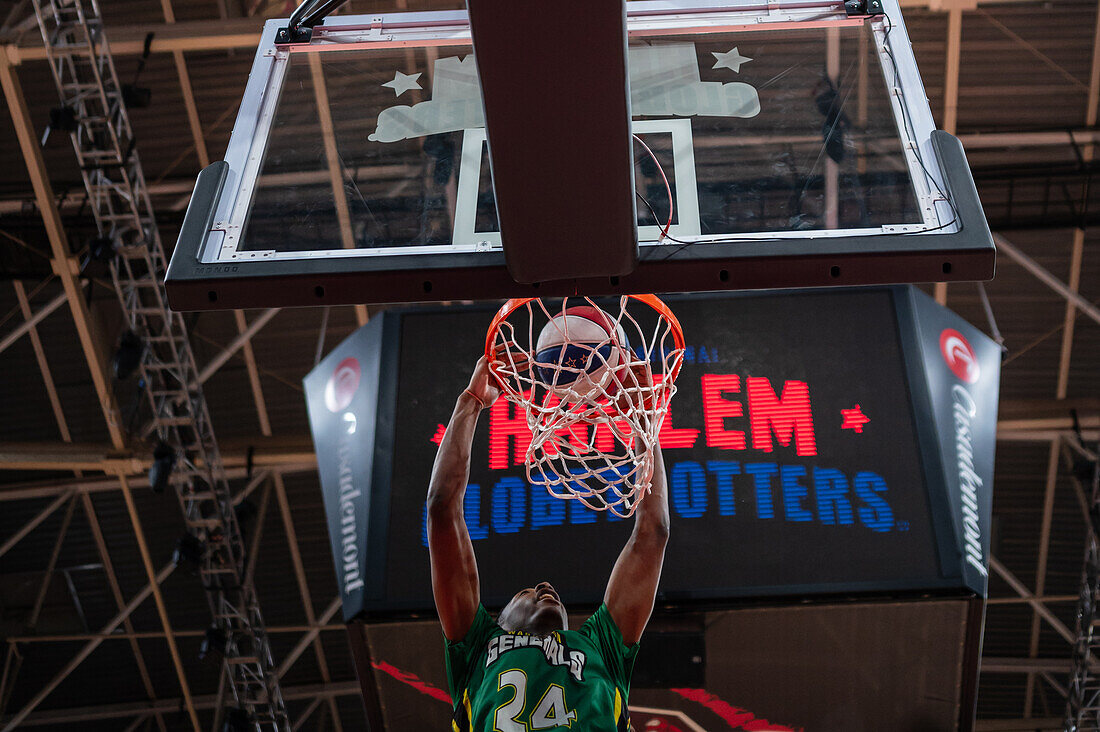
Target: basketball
(579,351)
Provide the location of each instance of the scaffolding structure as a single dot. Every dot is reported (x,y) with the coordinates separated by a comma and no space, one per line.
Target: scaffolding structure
(1083,697)
(94,113)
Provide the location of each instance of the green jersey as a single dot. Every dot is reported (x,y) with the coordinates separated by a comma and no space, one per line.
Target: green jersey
(518,682)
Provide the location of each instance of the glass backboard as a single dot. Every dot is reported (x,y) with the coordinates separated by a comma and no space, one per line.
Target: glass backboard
(797,144)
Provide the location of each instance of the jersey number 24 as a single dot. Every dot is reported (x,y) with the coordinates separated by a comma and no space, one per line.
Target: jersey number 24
(551,710)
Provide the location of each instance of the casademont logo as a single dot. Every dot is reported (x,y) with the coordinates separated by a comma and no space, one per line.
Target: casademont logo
(963,362)
(959,356)
(339,392)
(342,385)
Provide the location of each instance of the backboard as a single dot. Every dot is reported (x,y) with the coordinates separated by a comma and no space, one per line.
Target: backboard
(796,139)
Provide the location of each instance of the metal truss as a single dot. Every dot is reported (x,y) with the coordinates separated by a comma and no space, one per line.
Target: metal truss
(1083,697)
(179,420)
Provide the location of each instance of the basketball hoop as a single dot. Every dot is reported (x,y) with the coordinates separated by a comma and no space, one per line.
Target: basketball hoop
(594,407)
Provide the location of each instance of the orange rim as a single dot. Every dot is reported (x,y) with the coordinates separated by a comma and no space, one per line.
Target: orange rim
(651,300)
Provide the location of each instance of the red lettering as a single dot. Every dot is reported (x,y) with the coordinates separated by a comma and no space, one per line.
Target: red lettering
(670,436)
(716,408)
(575,435)
(607,436)
(507,421)
(788,416)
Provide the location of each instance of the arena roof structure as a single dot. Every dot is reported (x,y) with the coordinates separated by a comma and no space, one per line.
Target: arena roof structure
(1018,82)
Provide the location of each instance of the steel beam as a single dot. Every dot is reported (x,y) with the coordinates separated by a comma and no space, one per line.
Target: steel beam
(64,264)
(1044,554)
(1082,675)
(303,590)
(15,720)
(172,706)
(188,92)
(29,322)
(14,661)
(309,710)
(159,634)
(47,489)
(1018,725)
(116,592)
(307,639)
(253,375)
(196,35)
(158,598)
(36,520)
(43,365)
(1044,276)
(51,565)
(1022,590)
(236,344)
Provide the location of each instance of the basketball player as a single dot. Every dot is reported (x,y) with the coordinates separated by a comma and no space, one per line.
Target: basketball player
(527,670)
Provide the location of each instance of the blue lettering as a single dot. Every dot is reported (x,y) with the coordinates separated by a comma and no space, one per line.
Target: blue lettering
(831,489)
(689,354)
(877,514)
(471,510)
(794,493)
(703,357)
(545,509)
(689,489)
(580,514)
(724,470)
(613,476)
(762,474)
(509,505)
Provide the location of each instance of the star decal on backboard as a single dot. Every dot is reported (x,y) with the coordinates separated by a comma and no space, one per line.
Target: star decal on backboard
(854,419)
(403,82)
(729,60)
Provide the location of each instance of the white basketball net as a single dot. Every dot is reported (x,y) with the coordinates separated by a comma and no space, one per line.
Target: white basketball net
(592,440)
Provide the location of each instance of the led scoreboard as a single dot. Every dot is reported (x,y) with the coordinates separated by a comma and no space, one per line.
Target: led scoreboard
(820,442)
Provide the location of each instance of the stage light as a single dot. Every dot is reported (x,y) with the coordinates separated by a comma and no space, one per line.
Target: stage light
(128,356)
(164,459)
(64,118)
(136,97)
(213,645)
(190,549)
(238,720)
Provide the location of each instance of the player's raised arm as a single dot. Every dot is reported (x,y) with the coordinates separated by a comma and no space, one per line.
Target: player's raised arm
(633,584)
(455,581)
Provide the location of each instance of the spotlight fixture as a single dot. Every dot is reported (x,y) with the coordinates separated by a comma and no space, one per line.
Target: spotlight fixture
(128,356)
(164,459)
(238,720)
(102,248)
(136,97)
(190,549)
(63,118)
(213,645)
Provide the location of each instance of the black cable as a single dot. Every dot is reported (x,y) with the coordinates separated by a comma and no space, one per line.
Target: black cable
(910,129)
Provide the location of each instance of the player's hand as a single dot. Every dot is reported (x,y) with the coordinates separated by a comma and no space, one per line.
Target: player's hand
(484,386)
(636,388)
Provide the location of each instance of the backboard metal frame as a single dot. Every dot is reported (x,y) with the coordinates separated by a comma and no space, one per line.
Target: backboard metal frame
(210,270)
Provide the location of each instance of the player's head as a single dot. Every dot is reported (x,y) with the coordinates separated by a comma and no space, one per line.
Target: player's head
(535,610)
